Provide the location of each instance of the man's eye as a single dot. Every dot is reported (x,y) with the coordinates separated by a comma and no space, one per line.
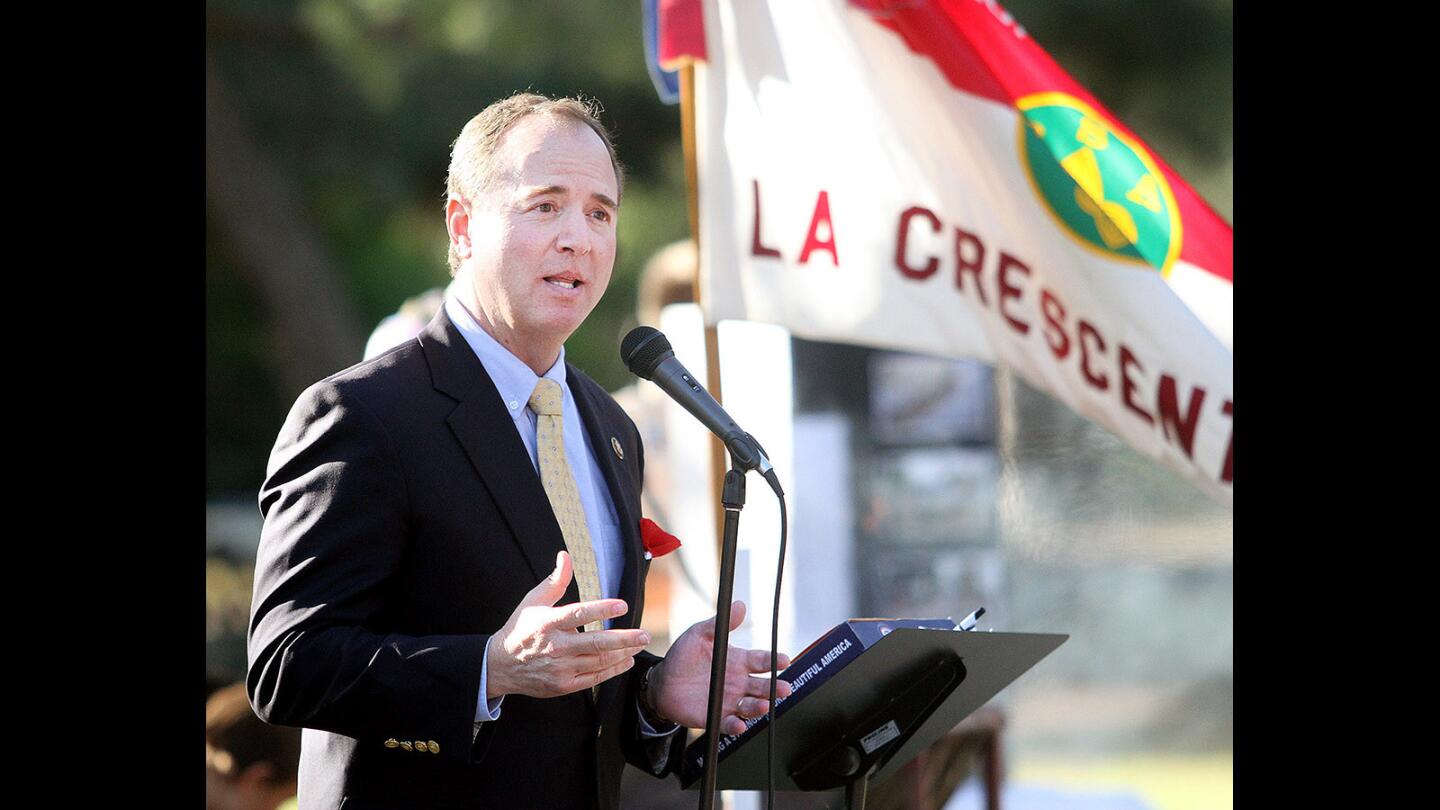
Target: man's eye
(546,207)
(601,214)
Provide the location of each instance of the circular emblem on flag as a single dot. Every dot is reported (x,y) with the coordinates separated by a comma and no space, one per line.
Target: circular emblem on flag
(1102,187)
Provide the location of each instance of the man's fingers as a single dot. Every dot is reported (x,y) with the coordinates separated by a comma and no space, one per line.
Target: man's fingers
(752,707)
(706,629)
(589,679)
(549,590)
(605,641)
(760,688)
(600,662)
(759,660)
(732,725)
(582,613)
(757,687)
(737,614)
(782,688)
(741,683)
(749,697)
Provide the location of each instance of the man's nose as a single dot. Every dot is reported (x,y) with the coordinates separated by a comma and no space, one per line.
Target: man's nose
(574,235)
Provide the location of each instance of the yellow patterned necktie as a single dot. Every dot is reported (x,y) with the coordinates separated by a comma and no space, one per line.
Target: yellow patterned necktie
(559,483)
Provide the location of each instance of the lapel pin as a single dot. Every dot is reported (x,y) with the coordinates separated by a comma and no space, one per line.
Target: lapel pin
(615,445)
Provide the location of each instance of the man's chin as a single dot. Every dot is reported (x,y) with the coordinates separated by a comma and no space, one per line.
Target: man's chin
(558,327)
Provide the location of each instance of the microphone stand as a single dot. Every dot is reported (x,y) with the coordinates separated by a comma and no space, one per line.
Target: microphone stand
(733,499)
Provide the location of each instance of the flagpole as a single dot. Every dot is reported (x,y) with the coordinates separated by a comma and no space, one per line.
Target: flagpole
(712,339)
(718,471)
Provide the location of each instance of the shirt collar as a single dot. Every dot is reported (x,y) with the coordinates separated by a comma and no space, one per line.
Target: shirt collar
(513,379)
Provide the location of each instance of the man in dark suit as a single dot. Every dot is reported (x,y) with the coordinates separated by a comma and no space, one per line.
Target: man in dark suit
(450,578)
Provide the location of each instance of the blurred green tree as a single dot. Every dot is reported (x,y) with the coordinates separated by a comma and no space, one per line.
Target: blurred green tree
(328,130)
(328,126)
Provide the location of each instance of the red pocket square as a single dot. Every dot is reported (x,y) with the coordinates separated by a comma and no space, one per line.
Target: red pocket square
(656,540)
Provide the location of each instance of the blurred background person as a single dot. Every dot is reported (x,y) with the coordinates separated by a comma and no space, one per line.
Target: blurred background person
(406,322)
(667,278)
(249,765)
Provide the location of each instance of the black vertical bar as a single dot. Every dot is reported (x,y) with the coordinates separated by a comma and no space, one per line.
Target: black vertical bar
(733,499)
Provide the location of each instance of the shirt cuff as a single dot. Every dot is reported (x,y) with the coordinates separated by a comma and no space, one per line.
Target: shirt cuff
(647,730)
(486,710)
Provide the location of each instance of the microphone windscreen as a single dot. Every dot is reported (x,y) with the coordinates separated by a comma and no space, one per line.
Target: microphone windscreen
(643,349)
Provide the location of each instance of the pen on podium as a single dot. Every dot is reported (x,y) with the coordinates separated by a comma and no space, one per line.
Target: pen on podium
(968,623)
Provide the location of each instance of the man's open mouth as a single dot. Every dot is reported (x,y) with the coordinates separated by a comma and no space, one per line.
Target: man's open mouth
(567,283)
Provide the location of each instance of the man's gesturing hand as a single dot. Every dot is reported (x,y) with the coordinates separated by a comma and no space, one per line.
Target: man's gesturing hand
(680,684)
(540,653)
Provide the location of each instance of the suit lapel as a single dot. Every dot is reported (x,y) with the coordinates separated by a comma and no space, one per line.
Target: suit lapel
(486,432)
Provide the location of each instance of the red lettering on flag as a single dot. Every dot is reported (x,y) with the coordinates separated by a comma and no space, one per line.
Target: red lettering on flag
(1054,312)
(1127,384)
(962,266)
(1099,381)
(756,248)
(812,240)
(1008,290)
(903,238)
(1167,405)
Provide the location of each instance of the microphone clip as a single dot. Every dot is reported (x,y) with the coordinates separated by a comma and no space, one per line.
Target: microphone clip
(746,452)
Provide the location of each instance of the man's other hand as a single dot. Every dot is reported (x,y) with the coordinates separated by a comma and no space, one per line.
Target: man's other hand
(680,684)
(540,653)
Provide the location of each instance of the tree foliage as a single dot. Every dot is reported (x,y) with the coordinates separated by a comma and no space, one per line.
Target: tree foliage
(351,106)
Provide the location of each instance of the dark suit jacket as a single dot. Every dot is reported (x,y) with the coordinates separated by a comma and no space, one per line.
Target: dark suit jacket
(403,524)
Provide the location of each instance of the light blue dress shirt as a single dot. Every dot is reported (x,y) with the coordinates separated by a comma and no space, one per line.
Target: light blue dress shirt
(516,381)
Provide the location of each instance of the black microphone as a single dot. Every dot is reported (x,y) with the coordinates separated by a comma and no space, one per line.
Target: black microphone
(648,355)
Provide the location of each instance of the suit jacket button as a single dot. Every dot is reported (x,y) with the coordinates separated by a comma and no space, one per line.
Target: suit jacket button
(392,743)
(407,746)
(433,746)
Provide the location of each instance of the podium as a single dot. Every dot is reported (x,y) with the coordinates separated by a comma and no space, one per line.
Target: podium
(888,704)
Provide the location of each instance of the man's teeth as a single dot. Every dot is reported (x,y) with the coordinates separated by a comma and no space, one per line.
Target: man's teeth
(569,285)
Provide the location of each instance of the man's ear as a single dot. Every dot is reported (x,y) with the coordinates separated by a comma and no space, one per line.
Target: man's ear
(457,222)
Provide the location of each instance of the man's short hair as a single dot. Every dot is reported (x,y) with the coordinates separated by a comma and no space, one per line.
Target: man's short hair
(471,154)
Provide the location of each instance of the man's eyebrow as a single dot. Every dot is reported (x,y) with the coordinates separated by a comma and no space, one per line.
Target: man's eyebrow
(603,199)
